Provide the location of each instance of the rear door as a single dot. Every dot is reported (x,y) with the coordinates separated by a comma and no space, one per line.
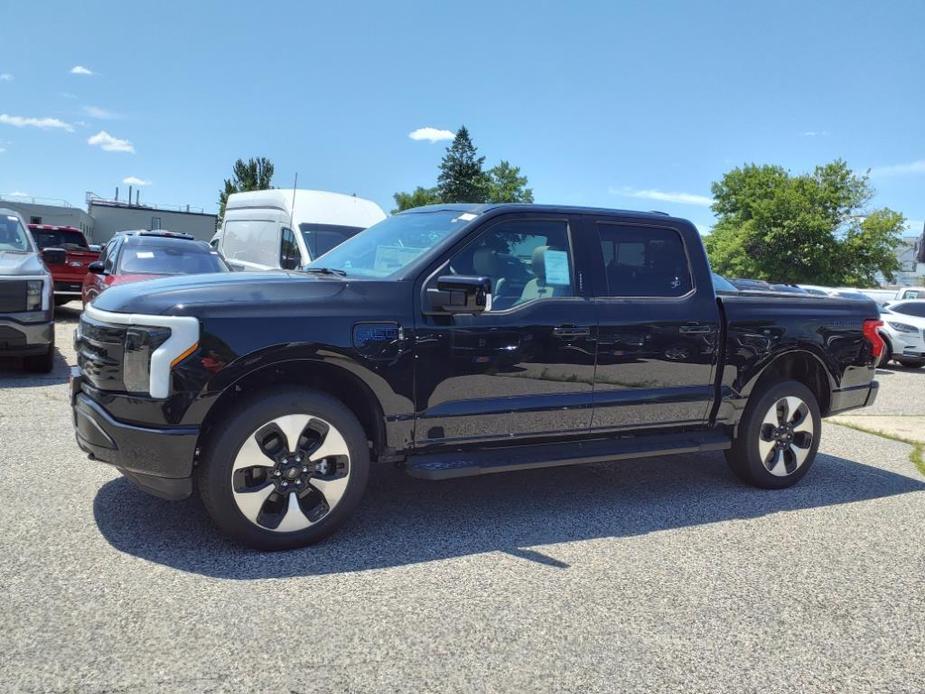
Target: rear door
(658,324)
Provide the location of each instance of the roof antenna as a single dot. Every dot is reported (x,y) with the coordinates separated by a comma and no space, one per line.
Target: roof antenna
(295,184)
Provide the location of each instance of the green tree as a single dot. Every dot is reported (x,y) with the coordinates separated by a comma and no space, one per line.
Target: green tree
(417,198)
(505,184)
(461,176)
(801,228)
(254,174)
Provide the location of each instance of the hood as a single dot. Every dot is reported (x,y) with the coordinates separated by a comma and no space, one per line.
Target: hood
(19,264)
(237,293)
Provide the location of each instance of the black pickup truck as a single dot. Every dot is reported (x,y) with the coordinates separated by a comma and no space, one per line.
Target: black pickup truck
(457,340)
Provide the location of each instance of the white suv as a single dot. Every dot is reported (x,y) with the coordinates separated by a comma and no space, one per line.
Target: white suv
(904,332)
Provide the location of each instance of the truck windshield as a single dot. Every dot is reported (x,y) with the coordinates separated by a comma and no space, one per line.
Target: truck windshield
(387,248)
(13,235)
(59,238)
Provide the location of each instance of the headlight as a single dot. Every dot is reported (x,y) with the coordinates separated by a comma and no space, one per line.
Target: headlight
(34,295)
(140,343)
(902,327)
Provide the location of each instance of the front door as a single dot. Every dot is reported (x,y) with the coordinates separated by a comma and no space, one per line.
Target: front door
(525,367)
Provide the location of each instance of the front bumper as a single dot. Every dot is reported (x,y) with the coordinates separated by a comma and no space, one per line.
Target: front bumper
(159,460)
(853,398)
(19,339)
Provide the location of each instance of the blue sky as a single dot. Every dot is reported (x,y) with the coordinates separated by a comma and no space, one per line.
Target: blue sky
(638,105)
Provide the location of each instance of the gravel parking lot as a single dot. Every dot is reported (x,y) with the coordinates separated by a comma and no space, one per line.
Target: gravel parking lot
(664,574)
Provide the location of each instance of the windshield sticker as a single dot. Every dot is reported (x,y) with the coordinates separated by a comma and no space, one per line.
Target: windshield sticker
(557,268)
(144,254)
(465,217)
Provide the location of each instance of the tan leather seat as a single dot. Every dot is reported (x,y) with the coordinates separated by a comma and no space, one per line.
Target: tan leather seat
(485,263)
(537,287)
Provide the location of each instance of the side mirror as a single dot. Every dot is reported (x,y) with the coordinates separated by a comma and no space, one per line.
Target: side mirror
(54,256)
(458,294)
(96,267)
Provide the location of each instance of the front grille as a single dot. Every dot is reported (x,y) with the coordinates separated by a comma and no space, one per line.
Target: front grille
(12,296)
(100,353)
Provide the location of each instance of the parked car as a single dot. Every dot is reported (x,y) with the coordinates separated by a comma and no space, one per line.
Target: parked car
(27,311)
(133,256)
(265,229)
(723,286)
(904,333)
(815,290)
(68,275)
(457,340)
(743,284)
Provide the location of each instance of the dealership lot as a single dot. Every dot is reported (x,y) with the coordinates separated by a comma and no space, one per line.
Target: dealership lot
(646,575)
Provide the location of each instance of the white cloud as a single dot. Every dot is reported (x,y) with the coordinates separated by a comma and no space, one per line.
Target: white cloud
(18,194)
(2,150)
(109,143)
(6,77)
(135,181)
(101,113)
(81,70)
(664,196)
(916,225)
(815,133)
(913,167)
(431,134)
(42,123)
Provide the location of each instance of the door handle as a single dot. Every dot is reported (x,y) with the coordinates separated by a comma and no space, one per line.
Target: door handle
(571,331)
(695,329)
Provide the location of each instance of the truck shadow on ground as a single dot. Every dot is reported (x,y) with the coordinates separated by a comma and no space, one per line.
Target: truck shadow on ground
(407,521)
(12,373)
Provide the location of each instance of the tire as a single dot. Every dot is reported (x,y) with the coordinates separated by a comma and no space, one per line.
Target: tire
(41,363)
(769,433)
(911,364)
(887,352)
(295,498)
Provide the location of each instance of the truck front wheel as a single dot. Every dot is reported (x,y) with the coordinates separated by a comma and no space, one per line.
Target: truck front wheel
(778,436)
(285,470)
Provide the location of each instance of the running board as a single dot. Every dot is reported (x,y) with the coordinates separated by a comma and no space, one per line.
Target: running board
(481,461)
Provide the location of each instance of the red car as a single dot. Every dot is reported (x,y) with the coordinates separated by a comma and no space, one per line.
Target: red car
(132,256)
(68,276)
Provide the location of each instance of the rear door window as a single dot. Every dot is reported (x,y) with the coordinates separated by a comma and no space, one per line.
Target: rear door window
(643,261)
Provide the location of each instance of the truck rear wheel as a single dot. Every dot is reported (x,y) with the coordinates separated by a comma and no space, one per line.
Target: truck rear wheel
(286,470)
(778,436)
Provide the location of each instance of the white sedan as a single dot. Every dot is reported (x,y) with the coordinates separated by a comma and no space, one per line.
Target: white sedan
(904,332)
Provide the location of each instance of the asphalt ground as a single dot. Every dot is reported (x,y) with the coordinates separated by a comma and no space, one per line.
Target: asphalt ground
(658,575)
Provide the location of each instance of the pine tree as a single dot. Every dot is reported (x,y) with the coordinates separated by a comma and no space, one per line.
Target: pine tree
(254,174)
(461,176)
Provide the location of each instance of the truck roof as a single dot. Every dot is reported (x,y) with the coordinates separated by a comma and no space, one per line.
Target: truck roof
(481,208)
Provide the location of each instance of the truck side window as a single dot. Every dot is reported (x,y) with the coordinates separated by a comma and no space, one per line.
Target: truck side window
(289,255)
(643,261)
(525,260)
